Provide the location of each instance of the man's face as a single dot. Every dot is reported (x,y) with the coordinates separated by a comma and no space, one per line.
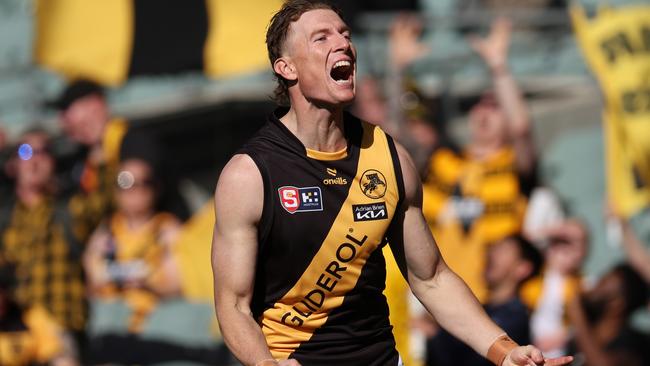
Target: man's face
(502,257)
(135,191)
(34,163)
(321,51)
(487,123)
(85,119)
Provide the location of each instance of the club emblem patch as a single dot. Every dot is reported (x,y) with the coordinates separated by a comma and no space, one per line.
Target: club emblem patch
(295,199)
(373,184)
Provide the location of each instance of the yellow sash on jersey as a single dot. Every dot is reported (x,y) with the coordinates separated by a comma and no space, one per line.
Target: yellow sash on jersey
(616,44)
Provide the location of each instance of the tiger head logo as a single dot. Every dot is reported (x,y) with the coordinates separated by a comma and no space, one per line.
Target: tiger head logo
(373,184)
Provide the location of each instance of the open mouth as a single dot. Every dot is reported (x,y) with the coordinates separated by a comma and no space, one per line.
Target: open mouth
(341,72)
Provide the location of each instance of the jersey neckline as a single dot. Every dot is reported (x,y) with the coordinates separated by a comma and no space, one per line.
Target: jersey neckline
(351,132)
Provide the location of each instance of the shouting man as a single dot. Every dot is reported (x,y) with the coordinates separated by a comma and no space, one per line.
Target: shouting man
(304,209)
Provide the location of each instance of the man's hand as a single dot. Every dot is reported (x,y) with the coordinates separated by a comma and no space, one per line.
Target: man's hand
(493,49)
(531,356)
(404,44)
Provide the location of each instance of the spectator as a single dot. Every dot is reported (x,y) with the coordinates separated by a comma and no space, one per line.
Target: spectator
(478,196)
(600,318)
(41,234)
(85,118)
(129,256)
(29,336)
(550,293)
(510,262)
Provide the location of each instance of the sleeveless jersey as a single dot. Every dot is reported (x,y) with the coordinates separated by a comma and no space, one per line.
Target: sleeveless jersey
(320,270)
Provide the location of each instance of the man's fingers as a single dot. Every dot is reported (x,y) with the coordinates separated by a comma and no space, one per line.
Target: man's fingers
(536,355)
(558,361)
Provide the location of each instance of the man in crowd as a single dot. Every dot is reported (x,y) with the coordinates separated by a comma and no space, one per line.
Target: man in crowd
(510,263)
(477,196)
(86,119)
(42,236)
(304,209)
(601,321)
(548,295)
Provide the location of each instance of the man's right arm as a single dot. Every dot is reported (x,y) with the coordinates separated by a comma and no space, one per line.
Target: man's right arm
(239,200)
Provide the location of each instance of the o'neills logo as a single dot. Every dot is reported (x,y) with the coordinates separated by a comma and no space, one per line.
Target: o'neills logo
(337,181)
(326,282)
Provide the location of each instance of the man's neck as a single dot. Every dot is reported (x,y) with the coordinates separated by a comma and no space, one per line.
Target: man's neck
(29,196)
(317,128)
(482,151)
(502,293)
(136,220)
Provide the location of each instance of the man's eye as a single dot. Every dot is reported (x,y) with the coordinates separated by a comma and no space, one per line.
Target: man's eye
(321,38)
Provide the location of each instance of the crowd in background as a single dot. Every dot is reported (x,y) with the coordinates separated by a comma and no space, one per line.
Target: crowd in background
(504,233)
(95,232)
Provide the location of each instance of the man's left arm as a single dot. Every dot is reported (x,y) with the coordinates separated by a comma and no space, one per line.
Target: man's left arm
(440,290)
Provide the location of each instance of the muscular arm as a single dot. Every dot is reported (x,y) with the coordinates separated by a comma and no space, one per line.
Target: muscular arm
(439,289)
(239,200)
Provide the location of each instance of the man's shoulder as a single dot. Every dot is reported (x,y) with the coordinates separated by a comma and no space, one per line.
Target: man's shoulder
(240,167)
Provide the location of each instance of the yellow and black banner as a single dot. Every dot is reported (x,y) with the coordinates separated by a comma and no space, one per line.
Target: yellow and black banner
(616,44)
(111,40)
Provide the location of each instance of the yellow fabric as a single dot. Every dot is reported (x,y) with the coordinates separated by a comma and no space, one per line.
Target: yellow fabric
(614,46)
(132,246)
(81,38)
(192,253)
(37,343)
(397,293)
(327,156)
(46,334)
(47,275)
(235,42)
(494,183)
(112,141)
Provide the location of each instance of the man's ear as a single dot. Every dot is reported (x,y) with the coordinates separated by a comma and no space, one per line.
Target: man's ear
(285,68)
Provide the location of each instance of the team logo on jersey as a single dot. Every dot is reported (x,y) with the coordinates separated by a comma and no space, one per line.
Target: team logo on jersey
(373,184)
(369,212)
(294,199)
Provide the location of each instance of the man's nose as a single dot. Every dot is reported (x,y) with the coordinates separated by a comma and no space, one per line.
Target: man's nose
(342,43)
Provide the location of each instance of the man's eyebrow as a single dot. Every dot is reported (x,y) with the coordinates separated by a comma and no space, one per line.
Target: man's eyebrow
(319,30)
(342,29)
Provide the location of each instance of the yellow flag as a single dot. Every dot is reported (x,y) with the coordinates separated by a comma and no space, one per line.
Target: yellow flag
(192,252)
(85,39)
(616,44)
(236,40)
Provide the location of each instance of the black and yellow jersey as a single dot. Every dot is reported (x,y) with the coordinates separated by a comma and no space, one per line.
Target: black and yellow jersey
(320,270)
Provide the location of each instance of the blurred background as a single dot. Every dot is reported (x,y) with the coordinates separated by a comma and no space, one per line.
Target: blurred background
(116,117)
